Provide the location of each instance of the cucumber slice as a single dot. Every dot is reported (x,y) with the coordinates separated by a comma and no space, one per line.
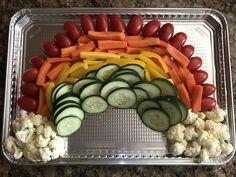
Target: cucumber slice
(145,105)
(167,88)
(69,111)
(94,104)
(183,109)
(91,73)
(66,88)
(68,125)
(93,88)
(122,98)
(81,83)
(156,119)
(123,70)
(139,69)
(152,90)
(130,77)
(59,106)
(54,91)
(112,85)
(141,94)
(67,97)
(106,71)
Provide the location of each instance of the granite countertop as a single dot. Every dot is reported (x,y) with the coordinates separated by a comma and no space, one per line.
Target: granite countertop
(9,7)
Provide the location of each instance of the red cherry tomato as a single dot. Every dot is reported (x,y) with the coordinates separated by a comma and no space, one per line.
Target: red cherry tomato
(208,104)
(194,64)
(62,40)
(208,89)
(28,103)
(151,28)
(135,25)
(166,32)
(51,50)
(29,89)
(178,40)
(72,30)
(101,23)
(36,61)
(200,76)
(30,75)
(86,23)
(117,24)
(187,50)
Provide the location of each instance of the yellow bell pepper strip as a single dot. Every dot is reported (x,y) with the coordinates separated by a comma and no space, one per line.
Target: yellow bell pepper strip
(63,74)
(158,58)
(78,73)
(96,66)
(147,75)
(153,65)
(154,72)
(71,79)
(93,62)
(77,66)
(48,92)
(122,62)
(98,55)
(128,56)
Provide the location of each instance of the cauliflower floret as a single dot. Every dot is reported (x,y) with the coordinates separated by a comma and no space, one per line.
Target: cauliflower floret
(202,136)
(25,135)
(193,149)
(178,148)
(210,125)
(23,113)
(204,156)
(37,120)
(26,124)
(16,125)
(47,131)
(199,124)
(176,132)
(212,145)
(20,144)
(58,147)
(218,130)
(31,152)
(190,118)
(45,154)
(41,141)
(216,114)
(226,148)
(201,115)
(10,145)
(39,130)
(190,133)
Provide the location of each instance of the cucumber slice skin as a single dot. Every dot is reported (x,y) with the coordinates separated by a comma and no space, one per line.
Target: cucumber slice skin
(128,93)
(105,72)
(141,94)
(91,73)
(156,119)
(81,83)
(147,85)
(93,88)
(88,105)
(66,102)
(55,89)
(139,69)
(167,88)
(130,77)
(68,96)
(68,125)
(67,88)
(145,105)
(124,70)
(108,88)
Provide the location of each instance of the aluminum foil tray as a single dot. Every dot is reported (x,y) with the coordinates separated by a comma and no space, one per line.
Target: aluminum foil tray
(118,136)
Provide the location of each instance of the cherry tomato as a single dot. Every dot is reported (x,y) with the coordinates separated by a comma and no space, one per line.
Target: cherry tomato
(29,89)
(208,89)
(135,25)
(28,103)
(62,40)
(86,23)
(117,23)
(166,32)
(178,40)
(36,61)
(101,23)
(187,50)
(151,28)
(30,75)
(200,76)
(194,64)
(72,30)
(208,104)
(51,50)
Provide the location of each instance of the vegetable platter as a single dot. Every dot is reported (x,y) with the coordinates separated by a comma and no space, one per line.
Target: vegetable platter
(123,104)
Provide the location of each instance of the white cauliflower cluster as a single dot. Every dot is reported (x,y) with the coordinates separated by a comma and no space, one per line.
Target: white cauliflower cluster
(201,135)
(35,138)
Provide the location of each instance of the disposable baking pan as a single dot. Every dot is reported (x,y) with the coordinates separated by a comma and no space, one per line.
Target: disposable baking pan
(118,136)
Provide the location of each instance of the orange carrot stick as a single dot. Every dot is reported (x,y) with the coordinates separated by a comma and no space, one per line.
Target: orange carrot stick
(83,39)
(81,44)
(87,47)
(184,95)
(197,98)
(106,35)
(42,101)
(52,75)
(42,75)
(147,42)
(136,50)
(116,51)
(177,55)
(159,50)
(58,60)
(190,82)
(170,62)
(182,75)
(127,38)
(100,50)
(66,52)
(175,77)
(111,44)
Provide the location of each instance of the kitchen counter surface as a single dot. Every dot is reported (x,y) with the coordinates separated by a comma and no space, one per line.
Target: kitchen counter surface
(9,7)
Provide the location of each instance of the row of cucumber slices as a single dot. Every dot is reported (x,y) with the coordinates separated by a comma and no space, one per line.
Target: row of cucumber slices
(120,87)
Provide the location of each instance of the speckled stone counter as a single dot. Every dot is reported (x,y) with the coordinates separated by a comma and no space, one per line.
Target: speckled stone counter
(9,7)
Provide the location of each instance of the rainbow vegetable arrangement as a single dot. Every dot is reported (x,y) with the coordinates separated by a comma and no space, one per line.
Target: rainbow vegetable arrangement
(144,67)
